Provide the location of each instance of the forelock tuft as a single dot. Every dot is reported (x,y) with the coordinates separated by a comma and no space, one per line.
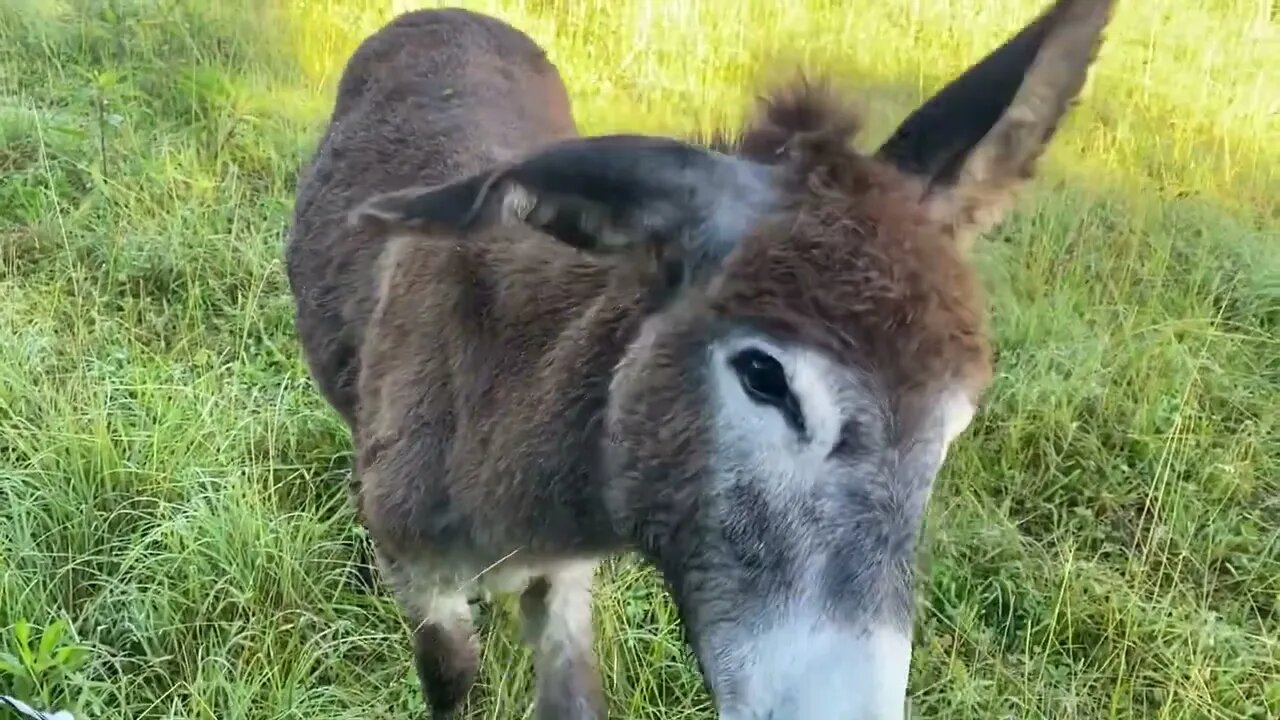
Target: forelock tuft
(803,115)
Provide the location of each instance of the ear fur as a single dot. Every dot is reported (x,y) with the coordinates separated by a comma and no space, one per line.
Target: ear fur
(604,194)
(977,140)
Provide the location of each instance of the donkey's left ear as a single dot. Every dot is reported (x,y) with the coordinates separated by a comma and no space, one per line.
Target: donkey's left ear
(604,195)
(976,141)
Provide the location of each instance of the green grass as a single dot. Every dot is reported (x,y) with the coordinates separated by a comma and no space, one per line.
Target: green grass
(1105,540)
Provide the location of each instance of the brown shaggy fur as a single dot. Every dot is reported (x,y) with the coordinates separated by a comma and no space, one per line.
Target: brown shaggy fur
(391,112)
(905,305)
(521,408)
(522,328)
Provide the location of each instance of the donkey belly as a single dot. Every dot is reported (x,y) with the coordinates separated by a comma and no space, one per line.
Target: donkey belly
(428,580)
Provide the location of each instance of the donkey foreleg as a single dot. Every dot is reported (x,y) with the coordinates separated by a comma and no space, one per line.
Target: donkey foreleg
(556,609)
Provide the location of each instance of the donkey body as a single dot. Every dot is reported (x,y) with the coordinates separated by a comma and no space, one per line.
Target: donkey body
(747,365)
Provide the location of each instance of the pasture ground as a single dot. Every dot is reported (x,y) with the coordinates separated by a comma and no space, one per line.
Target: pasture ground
(1104,542)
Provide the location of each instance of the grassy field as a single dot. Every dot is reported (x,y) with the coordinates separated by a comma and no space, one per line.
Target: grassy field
(1104,542)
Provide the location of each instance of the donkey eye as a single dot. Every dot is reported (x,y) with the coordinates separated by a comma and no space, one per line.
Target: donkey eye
(761,376)
(764,381)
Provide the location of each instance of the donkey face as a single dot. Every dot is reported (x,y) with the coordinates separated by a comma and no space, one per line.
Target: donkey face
(779,479)
(775,428)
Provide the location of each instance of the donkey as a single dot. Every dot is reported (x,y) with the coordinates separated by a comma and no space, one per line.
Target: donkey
(744,359)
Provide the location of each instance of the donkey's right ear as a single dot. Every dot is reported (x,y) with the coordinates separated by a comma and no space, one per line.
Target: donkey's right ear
(604,194)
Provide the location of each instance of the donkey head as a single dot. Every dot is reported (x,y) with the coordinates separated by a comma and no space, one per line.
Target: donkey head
(775,428)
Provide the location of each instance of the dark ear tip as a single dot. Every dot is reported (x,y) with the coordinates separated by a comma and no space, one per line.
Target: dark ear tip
(368,216)
(455,207)
(358,218)
(1079,31)
(1094,16)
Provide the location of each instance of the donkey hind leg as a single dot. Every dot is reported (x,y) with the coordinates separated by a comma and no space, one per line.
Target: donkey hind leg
(446,653)
(556,609)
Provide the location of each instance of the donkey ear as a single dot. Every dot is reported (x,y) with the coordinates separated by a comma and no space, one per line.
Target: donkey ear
(602,194)
(977,140)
